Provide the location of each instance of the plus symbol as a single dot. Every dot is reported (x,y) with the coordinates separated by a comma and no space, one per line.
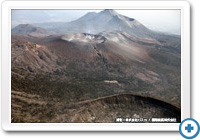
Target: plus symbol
(189,128)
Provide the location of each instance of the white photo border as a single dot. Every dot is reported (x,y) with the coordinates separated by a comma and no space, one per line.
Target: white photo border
(7,6)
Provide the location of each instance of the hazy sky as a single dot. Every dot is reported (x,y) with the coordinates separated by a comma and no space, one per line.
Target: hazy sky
(159,20)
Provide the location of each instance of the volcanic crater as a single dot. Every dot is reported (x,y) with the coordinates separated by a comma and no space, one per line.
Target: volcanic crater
(84,38)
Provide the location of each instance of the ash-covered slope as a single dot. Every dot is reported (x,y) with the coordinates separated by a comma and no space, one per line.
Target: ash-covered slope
(75,77)
(105,64)
(31,57)
(107,109)
(27,108)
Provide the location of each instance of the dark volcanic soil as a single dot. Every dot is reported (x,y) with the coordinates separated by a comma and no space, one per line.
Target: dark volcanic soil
(85,78)
(30,108)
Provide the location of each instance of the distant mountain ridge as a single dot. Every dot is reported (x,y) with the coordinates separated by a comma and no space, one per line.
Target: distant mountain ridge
(28,29)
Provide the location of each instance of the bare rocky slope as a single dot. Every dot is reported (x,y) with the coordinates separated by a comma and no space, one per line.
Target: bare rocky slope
(67,71)
(28,108)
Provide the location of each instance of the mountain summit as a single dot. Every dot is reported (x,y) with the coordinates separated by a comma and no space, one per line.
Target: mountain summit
(106,20)
(109,11)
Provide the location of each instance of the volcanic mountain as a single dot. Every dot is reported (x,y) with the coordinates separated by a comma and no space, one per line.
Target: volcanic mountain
(96,65)
(109,20)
